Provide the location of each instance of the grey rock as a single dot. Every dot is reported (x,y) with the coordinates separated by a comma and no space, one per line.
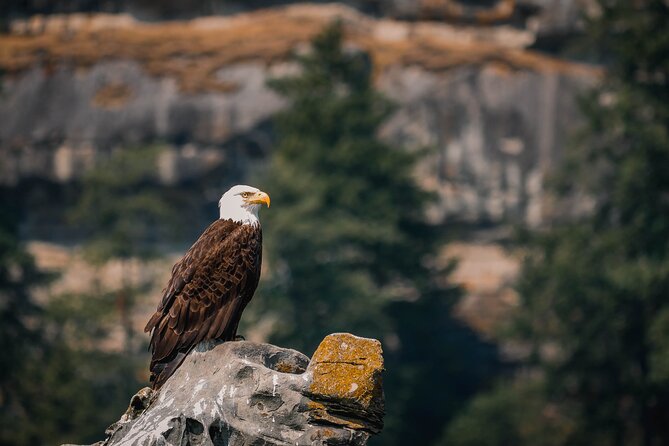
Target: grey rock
(493,135)
(246,393)
(495,115)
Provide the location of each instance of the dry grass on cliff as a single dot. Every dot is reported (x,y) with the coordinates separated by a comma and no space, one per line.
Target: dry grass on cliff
(193,51)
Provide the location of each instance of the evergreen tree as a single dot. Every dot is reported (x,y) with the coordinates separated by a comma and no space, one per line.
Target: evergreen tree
(514,413)
(53,373)
(350,235)
(348,246)
(51,385)
(20,340)
(123,210)
(125,214)
(595,288)
(72,389)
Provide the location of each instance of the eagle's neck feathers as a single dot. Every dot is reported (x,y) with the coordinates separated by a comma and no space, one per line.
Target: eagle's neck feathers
(246,215)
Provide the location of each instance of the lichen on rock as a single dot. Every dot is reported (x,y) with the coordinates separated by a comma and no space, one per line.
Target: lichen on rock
(346,382)
(243,393)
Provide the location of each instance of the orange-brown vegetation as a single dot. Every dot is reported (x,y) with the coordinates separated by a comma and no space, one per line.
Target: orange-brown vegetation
(193,51)
(112,95)
(459,10)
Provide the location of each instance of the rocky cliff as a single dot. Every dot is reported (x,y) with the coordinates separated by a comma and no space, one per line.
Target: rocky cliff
(546,17)
(245,393)
(495,114)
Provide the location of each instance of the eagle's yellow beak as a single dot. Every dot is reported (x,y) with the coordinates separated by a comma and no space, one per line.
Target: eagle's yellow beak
(260,198)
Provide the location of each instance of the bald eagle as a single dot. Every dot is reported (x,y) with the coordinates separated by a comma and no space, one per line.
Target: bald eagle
(211,284)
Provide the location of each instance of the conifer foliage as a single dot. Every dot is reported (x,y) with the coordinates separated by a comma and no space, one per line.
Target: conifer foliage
(51,384)
(349,235)
(595,288)
(348,247)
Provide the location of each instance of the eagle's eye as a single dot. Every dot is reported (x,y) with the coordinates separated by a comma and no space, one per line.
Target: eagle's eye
(246,194)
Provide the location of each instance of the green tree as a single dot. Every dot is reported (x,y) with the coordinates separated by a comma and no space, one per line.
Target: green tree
(81,372)
(350,235)
(440,365)
(348,246)
(20,340)
(73,389)
(595,288)
(515,413)
(123,210)
(125,215)
(598,287)
(51,384)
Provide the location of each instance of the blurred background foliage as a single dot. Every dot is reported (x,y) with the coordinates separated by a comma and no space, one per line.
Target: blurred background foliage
(594,288)
(52,371)
(351,202)
(123,211)
(350,249)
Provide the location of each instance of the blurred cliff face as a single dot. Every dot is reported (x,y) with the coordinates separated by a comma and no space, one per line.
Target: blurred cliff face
(548,15)
(493,113)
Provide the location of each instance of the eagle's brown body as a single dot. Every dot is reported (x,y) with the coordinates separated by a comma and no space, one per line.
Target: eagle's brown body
(204,299)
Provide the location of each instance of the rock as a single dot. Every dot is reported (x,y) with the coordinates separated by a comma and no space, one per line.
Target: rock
(247,393)
(495,113)
(346,380)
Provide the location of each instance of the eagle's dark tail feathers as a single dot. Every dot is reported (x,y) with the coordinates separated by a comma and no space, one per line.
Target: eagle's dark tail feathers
(161,371)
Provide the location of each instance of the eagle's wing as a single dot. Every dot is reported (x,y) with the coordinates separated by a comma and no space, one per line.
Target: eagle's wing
(209,288)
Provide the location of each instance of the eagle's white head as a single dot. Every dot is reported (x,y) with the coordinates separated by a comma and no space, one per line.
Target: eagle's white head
(241,204)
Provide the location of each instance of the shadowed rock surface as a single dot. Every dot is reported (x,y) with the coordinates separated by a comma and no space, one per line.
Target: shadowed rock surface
(246,393)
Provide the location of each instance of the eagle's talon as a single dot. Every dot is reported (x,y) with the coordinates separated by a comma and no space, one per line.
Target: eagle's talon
(240,338)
